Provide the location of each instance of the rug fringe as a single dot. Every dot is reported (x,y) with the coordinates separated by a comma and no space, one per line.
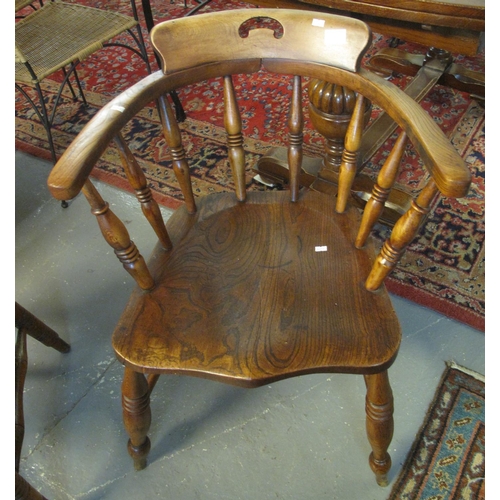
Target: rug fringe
(472,373)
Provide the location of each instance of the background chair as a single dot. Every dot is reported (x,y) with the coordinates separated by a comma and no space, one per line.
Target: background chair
(28,325)
(57,37)
(21,4)
(252,288)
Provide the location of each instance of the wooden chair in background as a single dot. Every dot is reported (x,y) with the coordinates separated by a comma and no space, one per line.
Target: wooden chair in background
(252,288)
(28,325)
(56,37)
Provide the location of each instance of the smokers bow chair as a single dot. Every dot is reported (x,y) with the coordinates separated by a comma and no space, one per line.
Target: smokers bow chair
(249,288)
(56,37)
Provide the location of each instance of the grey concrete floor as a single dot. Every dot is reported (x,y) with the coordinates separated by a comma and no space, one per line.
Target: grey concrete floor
(302,438)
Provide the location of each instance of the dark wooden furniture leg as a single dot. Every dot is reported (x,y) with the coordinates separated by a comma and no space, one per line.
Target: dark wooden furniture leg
(379,423)
(454,76)
(28,324)
(136,416)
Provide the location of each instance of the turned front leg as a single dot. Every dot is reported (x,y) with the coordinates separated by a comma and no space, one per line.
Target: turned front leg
(379,423)
(136,416)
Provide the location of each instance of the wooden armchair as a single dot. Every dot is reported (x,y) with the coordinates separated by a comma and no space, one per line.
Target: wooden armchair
(251,288)
(57,37)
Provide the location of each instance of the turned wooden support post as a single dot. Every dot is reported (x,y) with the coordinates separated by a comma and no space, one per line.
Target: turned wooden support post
(173,139)
(115,233)
(381,190)
(403,233)
(236,153)
(348,165)
(379,423)
(330,109)
(136,416)
(296,127)
(138,181)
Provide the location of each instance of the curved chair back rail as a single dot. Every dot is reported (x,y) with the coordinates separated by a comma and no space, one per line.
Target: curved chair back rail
(440,158)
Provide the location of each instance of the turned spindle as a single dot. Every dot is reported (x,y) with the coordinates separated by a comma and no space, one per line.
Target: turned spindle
(381,190)
(138,181)
(136,416)
(404,231)
(348,165)
(232,123)
(379,423)
(295,127)
(116,235)
(180,165)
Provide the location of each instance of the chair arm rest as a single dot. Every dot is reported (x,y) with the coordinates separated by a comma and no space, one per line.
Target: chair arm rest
(75,165)
(442,161)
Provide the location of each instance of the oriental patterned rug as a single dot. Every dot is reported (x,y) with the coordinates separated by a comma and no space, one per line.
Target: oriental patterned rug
(443,269)
(447,460)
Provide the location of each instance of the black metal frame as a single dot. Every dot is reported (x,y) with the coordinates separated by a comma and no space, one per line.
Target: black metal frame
(180,114)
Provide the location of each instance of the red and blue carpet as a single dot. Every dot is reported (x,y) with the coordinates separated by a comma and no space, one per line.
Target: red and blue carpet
(447,460)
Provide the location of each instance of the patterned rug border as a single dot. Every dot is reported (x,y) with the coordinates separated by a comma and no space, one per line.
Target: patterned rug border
(432,301)
(404,477)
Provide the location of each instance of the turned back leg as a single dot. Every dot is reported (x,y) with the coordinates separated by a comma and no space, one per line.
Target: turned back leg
(379,423)
(136,416)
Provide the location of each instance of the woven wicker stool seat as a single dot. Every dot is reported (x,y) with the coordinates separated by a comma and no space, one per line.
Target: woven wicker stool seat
(65,33)
(57,37)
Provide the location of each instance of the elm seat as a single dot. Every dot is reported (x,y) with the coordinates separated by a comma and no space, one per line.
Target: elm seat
(251,288)
(258,276)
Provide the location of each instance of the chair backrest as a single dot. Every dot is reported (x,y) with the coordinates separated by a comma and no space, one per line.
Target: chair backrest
(21,4)
(269,34)
(299,43)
